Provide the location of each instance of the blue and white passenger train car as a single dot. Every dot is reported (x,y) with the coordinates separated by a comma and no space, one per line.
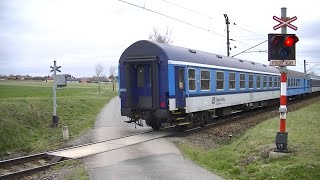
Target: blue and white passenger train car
(161,83)
(315,83)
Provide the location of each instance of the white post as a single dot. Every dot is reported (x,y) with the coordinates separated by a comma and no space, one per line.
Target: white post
(55,118)
(65,133)
(54,89)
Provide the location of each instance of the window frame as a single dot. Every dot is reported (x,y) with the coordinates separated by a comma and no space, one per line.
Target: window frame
(244,81)
(264,81)
(192,79)
(233,81)
(252,81)
(223,79)
(271,78)
(181,80)
(141,79)
(202,70)
(258,76)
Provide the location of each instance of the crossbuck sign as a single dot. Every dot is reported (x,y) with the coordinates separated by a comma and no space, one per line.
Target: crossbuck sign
(285,22)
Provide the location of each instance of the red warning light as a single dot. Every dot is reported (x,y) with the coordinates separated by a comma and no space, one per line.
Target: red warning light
(162,104)
(290,41)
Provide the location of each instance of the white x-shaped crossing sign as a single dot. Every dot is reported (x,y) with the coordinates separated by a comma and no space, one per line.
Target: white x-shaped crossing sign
(285,22)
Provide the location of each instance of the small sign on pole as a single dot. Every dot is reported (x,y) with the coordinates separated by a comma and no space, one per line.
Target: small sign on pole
(285,22)
(282,62)
(60,80)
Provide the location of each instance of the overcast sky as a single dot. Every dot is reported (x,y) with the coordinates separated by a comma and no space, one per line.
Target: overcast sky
(79,34)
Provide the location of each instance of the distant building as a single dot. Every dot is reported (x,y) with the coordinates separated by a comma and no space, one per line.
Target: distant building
(85,80)
(73,80)
(49,80)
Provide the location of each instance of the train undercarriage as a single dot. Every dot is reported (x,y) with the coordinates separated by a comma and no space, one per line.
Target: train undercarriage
(182,120)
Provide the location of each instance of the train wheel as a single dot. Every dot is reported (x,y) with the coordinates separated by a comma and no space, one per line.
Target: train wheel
(156,125)
(182,128)
(204,118)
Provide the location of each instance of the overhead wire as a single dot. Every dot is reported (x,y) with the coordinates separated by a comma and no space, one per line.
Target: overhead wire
(182,21)
(173,18)
(203,14)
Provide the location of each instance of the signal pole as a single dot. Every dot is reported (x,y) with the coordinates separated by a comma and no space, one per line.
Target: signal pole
(55,118)
(282,135)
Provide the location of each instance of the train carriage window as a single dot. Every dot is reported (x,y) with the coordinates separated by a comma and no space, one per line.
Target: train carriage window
(250,81)
(289,82)
(140,74)
(292,82)
(181,78)
(232,81)
(270,81)
(242,81)
(275,81)
(220,81)
(192,79)
(205,80)
(258,82)
(264,81)
(279,83)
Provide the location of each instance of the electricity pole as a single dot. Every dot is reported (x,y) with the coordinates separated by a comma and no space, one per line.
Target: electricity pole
(228,43)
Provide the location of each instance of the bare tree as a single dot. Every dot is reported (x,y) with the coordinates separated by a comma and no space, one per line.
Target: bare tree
(162,38)
(99,71)
(113,72)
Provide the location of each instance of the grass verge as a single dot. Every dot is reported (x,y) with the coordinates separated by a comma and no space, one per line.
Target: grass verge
(247,157)
(26,113)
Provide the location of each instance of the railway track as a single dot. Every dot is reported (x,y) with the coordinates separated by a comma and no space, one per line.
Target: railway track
(26,165)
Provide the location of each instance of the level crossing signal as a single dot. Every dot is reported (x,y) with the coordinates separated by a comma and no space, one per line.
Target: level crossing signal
(282,46)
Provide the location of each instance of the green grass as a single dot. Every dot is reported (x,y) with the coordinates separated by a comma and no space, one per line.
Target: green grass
(77,170)
(26,113)
(247,156)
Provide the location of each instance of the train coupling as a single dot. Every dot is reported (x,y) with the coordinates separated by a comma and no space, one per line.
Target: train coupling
(136,121)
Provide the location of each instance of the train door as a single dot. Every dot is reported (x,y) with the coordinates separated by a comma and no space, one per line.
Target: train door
(180,87)
(143,91)
(142,82)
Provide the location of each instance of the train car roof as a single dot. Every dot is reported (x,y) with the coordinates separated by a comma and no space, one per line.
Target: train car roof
(170,52)
(297,74)
(314,77)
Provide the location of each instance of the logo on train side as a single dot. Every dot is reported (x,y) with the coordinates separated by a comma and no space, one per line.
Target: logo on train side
(213,100)
(218,100)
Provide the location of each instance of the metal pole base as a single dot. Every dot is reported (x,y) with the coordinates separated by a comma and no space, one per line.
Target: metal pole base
(55,121)
(282,142)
